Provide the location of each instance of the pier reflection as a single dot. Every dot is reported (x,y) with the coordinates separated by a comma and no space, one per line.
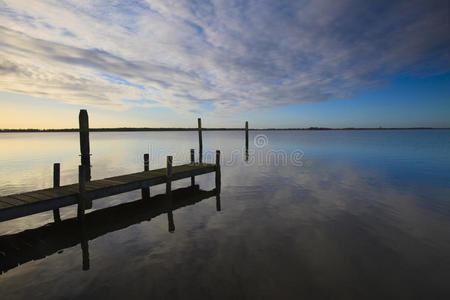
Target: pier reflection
(38,243)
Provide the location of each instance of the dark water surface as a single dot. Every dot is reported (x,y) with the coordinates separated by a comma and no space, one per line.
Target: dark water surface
(311,214)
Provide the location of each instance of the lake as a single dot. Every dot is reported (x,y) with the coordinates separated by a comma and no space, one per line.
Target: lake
(308,214)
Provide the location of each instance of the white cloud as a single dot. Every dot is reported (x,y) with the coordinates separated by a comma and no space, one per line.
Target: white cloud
(234,55)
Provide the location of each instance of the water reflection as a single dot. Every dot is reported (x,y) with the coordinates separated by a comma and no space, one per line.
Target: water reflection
(84,244)
(365,217)
(33,244)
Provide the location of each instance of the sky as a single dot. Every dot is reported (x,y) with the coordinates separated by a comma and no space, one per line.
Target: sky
(282,63)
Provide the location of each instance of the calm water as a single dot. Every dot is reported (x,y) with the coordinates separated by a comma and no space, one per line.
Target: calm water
(315,214)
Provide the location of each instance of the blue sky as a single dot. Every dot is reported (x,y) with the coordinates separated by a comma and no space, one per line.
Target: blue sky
(283,63)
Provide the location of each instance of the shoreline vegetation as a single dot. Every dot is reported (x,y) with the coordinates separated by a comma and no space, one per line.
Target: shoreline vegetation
(125,129)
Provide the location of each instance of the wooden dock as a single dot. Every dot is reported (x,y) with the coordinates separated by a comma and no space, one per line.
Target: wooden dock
(20,205)
(83,192)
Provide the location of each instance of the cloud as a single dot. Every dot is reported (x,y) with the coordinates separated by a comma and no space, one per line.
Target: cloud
(226,55)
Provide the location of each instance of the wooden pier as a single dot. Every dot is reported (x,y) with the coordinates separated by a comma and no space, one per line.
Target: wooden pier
(24,204)
(83,192)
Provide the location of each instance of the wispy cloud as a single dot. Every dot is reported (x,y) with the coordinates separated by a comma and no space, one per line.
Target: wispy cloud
(224,56)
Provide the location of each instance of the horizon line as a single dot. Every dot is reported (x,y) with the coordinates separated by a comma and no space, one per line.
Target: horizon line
(124,129)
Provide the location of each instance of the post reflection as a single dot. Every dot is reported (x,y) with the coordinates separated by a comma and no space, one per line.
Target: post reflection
(84,246)
(218,205)
(34,244)
(171,222)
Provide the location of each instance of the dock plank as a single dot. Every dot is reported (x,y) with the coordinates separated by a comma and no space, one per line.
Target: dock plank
(71,188)
(112,182)
(132,177)
(12,201)
(4,205)
(25,198)
(53,193)
(38,195)
(101,184)
(135,176)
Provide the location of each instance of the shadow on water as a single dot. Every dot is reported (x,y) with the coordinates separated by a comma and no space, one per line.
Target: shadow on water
(38,243)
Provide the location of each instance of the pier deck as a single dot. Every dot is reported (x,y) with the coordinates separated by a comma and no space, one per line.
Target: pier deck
(24,204)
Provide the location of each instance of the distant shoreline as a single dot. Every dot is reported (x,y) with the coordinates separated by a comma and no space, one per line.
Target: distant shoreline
(132,129)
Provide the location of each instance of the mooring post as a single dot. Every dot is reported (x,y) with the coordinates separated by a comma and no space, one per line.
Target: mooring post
(146,162)
(84,143)
(246,136)
(192,163)
(169,194)
(200,142)
(56,183)
(146,191)
(81,193)
(218,180)
(169,175)
(218,171)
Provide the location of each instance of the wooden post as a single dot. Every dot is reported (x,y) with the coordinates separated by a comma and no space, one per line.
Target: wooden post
(146,191)
(84,143)
(200,142)
(169,194)
(56,183)
(192,156)
(82,193)
(218,181)
(146,162)
(218,175)
(246,136)
(169,175)
(192,163)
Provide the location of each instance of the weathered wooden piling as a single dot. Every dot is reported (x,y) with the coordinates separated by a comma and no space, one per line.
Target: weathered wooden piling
(56,183)
(246,136)
(81,193)
(146,162)
(169,194)
(169,175)
(200,141)
(218,175)
(146,191)
(84,143)
(192,163)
